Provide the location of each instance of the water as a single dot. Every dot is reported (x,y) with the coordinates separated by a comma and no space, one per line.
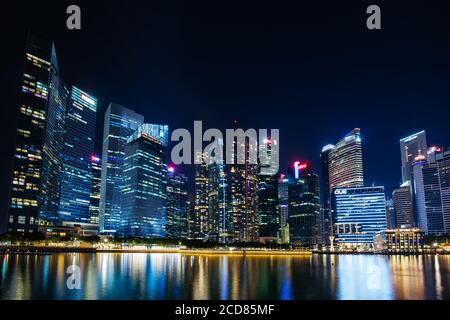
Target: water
(174,276)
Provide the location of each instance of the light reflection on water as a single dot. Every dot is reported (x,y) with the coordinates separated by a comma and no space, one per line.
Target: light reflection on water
(174,276)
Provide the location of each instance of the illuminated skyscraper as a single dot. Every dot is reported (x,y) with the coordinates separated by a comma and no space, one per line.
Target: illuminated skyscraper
(411,147)
(40,66)
(327,223)
(119,124)
(403,206)
(177,205)
(219,219)
(76,177)
(304,207)
(199,225)
(144,188)
(94,206)
(346,162)
(269,219)
(432,192)
(53,145)
(360,215)
(283,209)
(244,194)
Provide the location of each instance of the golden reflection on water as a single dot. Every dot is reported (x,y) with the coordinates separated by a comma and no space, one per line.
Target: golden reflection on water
(175,276)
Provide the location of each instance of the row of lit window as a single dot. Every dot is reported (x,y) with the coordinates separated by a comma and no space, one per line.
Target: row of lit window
(18,202)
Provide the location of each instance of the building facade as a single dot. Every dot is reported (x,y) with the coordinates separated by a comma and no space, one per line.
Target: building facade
(403,206)
(177,205)
(411,147)
(94,206)
(346,163)
(31,120)
(119,124)
(144,189)
(76,176)
(360,215)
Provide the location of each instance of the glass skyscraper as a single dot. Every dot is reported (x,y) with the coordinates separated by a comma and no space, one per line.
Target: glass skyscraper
(52,153)
(32,109)
(177,205)
(94,206)
(76,177)
(269,220)
(327,223)
(360,215)
(119,124)
(432,192)
(304,209)
(411,147)
(199,219)
(346,162)
(144,188)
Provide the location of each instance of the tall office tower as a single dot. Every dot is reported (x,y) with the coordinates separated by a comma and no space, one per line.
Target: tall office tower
(177,205)
(144,191)
(119,124)
(219,220)
(326,222)
(191,218)
(346,162)
(403,206)
(200,219)
(76,176)
(410,148)
(26,168)
(269,222)
(390,214)
(52,151)
(244,194)
(304,208)
(360,215)
(432,192)
(283,209)
(94,206)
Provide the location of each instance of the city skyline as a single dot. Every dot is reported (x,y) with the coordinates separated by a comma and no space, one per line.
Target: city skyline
(185,88)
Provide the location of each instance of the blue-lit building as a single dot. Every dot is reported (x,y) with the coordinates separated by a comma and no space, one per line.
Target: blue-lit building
(144,187)
(52,151)
(76,176)
(360,215)
(176,205)
(119,124)
(94,206)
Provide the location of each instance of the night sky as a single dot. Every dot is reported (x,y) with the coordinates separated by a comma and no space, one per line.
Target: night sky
(312,70)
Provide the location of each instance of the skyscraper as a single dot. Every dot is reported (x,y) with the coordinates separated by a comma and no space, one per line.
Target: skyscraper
(40,62)
(403,206)
(219,220)
(267,197)
(94,206)
(244,194)
(53,145)
(327,223)
(411,147)
(346,162)
(199,228)
(432,192)
(119,124)
(177,205)
(304,208)
(360,215)
(144,191)
(76,176)
(283,209)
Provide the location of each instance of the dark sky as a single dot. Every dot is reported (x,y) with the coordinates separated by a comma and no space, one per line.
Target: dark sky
(312,70)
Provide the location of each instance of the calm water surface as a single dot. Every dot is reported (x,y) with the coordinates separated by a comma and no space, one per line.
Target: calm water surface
(174,276)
